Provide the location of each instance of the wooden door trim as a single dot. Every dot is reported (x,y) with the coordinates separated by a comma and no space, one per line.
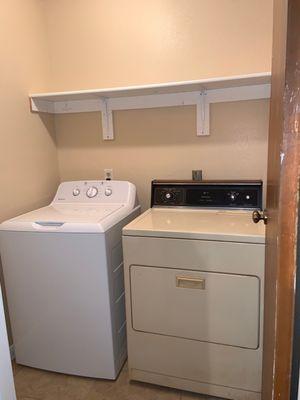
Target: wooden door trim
(296,335)
(282,201)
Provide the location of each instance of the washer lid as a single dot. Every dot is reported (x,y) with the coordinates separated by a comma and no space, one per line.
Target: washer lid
(68,218)
(221,225)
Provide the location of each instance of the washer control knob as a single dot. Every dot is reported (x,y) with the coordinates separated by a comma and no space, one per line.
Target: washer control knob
(76,192)
(92,192)
(108,191)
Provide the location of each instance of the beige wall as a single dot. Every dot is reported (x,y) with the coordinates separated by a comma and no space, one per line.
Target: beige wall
(28,157)
(162,143)
(102,43)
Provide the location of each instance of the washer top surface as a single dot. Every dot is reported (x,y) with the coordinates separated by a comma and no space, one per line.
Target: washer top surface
(81,206)
(218,225)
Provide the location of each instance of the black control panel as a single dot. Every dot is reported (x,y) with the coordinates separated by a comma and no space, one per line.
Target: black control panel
(207,194)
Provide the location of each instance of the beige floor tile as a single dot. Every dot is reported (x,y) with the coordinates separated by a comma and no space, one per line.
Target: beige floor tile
(26,398)
(34,384)
(122,389)
(44,385)
(195,396)
(16,367)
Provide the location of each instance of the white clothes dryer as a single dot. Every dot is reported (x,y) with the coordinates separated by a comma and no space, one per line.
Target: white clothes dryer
(194,283)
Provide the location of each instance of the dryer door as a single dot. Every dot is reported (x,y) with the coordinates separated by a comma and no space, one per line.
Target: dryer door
(205,306)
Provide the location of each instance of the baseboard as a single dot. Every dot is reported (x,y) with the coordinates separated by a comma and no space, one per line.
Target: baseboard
(12,352)
(192,385)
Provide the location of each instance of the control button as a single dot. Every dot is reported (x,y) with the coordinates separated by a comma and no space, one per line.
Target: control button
(247,197)
(233,195)
(92,192)
(108,192)
(76,192)
(168,195)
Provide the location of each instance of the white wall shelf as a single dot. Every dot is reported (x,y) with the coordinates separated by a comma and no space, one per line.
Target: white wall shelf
(200,93)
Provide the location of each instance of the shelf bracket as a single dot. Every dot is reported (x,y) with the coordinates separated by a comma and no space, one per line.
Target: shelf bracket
(107,120)
(202,113)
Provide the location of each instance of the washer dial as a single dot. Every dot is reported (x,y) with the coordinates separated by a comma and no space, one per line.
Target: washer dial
(108,191)
(92,192)
(76,192)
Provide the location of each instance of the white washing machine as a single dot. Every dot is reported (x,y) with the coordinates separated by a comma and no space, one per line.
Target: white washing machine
(194,282)
(63,270)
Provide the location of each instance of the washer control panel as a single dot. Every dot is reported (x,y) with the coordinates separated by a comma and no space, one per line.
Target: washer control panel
(94,192)
(207,194)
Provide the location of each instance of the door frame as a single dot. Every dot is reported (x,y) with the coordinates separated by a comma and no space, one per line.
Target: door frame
(282,202)
(296,335)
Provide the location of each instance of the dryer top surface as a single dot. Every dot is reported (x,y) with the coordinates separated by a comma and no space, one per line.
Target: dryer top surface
(220,225)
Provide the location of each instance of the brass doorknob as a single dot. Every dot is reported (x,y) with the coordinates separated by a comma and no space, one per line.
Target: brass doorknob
(259,215)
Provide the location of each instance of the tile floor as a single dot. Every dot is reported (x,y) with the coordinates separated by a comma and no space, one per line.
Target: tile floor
(35,384)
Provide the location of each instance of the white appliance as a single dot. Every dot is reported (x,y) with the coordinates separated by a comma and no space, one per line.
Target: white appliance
(194,282)
(7,388)
(63,270)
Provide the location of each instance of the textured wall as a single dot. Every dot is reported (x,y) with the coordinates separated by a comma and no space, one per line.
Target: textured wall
(162,143)
(102,43)
(98,43)
(28,156)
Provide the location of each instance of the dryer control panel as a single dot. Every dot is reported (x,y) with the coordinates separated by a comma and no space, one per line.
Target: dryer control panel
(207,194)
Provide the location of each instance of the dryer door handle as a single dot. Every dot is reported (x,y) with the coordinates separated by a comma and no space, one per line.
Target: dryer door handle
(190,282)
